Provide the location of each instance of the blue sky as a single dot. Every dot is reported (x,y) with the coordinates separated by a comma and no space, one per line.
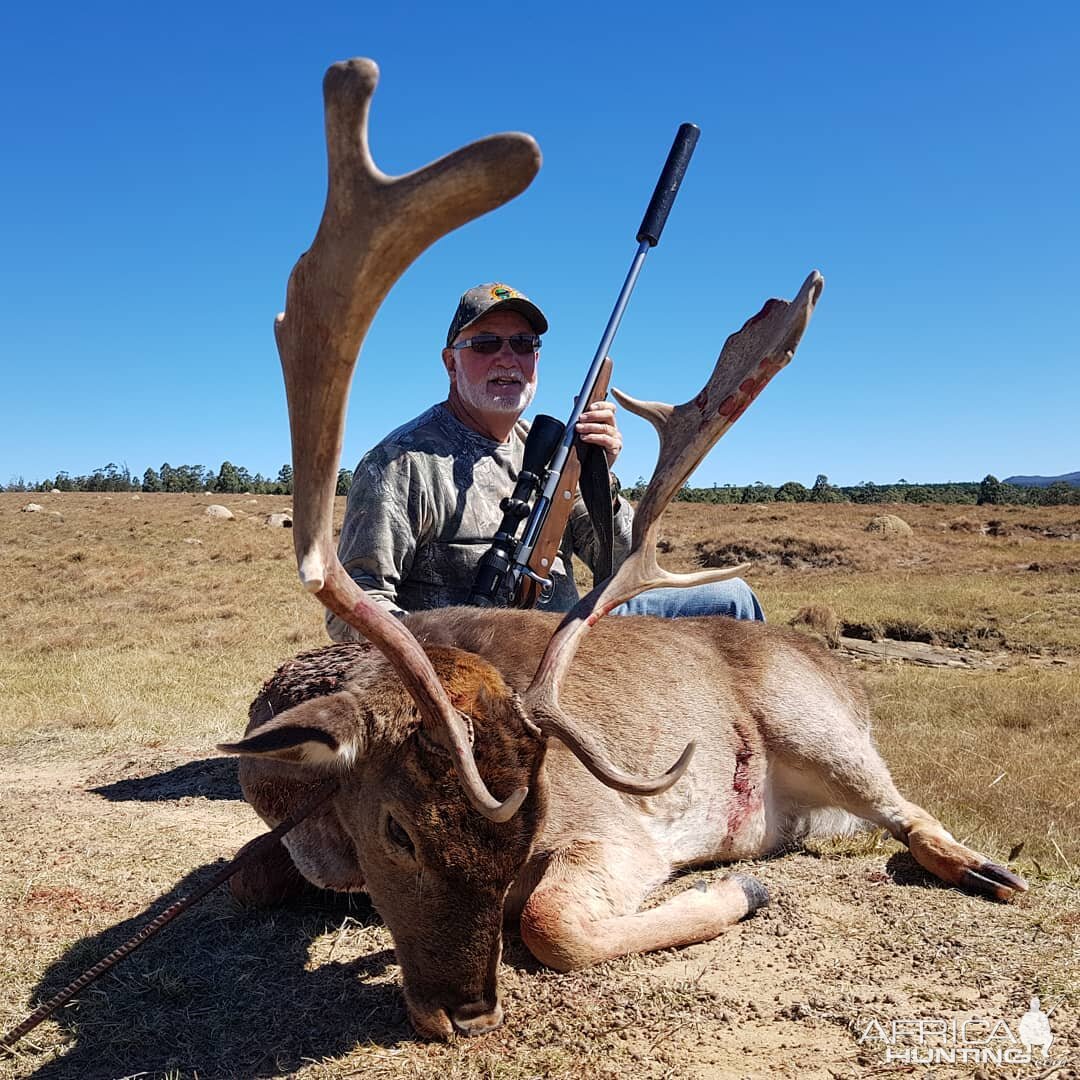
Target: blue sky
(163,167)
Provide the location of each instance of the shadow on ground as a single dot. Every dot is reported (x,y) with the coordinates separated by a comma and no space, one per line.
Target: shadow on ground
(222,992)
(904,870)
(209,778)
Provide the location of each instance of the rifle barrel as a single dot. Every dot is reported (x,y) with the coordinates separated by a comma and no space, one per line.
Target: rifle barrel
(528,540)
(667,187)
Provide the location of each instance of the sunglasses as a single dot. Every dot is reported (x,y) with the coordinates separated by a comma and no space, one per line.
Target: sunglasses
(490,344)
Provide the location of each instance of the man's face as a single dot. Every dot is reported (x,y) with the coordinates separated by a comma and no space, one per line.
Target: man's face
(503,382)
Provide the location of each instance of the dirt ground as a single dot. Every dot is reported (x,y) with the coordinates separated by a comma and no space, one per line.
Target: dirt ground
(134,633)
(851,936)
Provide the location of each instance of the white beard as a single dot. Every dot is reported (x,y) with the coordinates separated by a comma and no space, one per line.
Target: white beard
(479,395)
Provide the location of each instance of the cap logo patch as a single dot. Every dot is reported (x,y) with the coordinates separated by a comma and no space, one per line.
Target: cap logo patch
(502,292)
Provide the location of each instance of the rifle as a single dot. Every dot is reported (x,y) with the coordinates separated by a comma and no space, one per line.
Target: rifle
(520,571)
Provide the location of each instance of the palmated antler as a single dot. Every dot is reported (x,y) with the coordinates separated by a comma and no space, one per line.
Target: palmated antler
(749,359)
(373,227)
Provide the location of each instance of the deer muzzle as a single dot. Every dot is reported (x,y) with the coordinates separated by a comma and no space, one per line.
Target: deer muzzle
(434,1021)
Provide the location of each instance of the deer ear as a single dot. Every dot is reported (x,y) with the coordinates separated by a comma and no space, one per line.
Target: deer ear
(323,731)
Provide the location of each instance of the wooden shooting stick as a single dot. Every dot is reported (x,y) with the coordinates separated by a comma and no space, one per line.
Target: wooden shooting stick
(259,846)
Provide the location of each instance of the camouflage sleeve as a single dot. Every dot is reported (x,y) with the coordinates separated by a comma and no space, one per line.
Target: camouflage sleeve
(383,521)
(580,540)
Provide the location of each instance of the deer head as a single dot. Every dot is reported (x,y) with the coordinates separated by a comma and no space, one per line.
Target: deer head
(440,762)
(400,827)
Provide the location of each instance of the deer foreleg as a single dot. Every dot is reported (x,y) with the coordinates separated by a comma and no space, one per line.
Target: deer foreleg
(268,880)
(582,913)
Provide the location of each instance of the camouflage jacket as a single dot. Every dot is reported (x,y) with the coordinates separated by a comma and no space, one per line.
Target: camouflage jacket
(424,507)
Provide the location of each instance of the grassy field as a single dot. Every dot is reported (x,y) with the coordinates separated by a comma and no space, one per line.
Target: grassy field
(134,630)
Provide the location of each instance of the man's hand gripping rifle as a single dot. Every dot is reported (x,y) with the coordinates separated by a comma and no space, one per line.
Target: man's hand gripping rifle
(515,572)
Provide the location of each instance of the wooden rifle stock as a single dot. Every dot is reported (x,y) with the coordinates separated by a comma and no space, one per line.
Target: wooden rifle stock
(551,533)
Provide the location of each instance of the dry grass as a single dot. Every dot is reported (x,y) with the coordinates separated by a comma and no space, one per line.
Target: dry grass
(130,621)
(134,632)
(994,753)
(1005,571)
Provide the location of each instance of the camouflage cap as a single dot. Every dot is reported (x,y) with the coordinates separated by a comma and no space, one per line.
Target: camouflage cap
(488,297)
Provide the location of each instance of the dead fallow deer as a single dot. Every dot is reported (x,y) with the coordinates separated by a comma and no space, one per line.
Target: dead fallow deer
(462,740)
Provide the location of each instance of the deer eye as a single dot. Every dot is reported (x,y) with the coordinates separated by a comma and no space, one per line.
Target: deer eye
(398,836)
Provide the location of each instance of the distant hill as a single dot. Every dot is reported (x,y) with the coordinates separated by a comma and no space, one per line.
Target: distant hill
(1043,481)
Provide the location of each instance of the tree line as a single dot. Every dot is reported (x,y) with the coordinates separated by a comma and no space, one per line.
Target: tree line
(230,479)
(233,479)
(988,491)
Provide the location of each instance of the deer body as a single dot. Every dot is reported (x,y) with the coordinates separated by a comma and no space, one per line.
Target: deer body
(746,694)
(782,750)
(650,686)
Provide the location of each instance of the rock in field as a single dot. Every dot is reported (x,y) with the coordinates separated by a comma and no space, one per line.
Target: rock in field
(889,524)
(279,521)
(32,508)
(221,512)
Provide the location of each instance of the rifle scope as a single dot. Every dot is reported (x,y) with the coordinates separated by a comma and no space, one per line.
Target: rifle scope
(544,436)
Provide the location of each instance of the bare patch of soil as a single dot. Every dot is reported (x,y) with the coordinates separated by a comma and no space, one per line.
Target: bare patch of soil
(998,527)
(967,525)
(973,637)
(983,646)
(1053,567)
(1061,530)
(787,551)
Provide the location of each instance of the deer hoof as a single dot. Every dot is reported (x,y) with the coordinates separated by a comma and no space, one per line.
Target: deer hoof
(994,881)
(757,896)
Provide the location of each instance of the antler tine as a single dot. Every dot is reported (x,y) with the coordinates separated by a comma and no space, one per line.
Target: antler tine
(749,359)
(589,752)
(373,227)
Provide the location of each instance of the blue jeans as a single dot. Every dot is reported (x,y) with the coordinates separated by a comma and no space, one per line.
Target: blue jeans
(733,598)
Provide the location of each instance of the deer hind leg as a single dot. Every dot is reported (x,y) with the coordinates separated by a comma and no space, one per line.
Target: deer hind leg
(851,775)
(584,910)
(937,850)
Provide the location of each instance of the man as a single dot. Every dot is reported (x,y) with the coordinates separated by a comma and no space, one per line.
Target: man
(424,503)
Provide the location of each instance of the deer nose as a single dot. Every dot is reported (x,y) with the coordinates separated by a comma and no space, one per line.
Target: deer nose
(477,1017)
